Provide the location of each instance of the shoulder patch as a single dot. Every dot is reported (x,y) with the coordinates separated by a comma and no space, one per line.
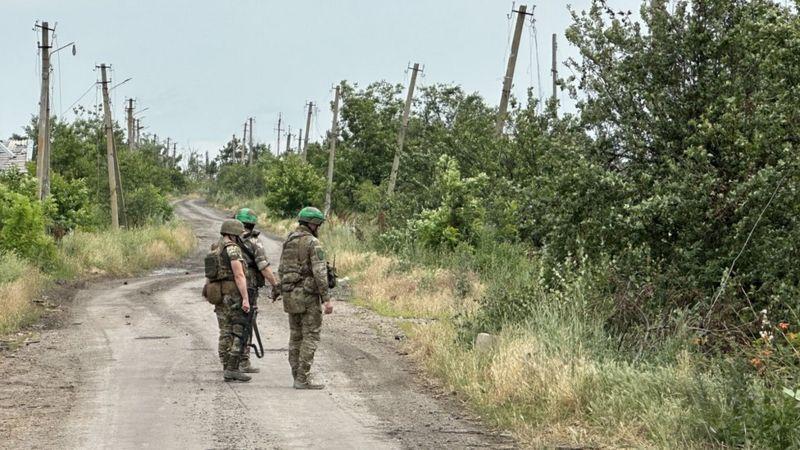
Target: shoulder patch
(320,253)
(234,252)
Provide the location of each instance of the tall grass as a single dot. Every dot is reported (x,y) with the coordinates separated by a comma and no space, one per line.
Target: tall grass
(81,254)
(559,377)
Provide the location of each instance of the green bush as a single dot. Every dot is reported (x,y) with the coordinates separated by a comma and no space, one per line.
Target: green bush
(147,205)
(292,184)
(22,224)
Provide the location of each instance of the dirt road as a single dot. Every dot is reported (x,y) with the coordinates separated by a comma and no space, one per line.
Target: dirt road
(134,365)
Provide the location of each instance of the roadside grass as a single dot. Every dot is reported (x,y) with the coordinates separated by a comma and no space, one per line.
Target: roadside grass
(556,380)
(20,282)
(123,252)
(81,254)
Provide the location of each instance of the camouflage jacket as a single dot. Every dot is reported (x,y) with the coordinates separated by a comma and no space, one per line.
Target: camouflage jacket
(258,262)
(303,272)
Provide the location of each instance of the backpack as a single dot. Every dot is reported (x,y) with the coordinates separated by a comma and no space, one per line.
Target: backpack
(217,264)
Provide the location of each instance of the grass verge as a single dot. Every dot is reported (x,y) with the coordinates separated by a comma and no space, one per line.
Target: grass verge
(80,255)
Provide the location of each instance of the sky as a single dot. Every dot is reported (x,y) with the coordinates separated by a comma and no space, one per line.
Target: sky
(202,67)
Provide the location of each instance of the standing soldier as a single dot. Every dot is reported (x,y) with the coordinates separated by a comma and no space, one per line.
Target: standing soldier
(227,289)
(258,271)
(304,285)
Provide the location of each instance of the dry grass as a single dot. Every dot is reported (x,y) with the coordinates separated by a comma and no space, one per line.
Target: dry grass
(124,252)
(16,306)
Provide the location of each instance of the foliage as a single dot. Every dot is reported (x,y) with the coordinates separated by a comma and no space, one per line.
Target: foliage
(22,224)
(292,184)
(145,205)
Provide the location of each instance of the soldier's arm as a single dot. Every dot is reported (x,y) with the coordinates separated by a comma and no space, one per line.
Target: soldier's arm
(263,265)
(320,270)
(237,266)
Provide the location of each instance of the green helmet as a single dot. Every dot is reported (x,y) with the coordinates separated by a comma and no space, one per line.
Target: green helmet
(232,227)
(311,215)
(246,215)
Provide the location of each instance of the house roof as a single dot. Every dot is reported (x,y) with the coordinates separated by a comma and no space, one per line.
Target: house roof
(13,153)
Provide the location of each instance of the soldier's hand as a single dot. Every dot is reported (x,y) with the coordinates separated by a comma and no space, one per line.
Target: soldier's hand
(246,305)
(328,307)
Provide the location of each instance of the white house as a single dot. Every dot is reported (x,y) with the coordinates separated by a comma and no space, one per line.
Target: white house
(13,153)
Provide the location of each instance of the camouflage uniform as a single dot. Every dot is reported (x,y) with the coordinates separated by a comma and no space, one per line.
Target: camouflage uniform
(253,267)
(304,286)
(230,316)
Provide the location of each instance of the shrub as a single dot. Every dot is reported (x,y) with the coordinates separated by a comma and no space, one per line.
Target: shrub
(22,223)
(145,205)
(292,184)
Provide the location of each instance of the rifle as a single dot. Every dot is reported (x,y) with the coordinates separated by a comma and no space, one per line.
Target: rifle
(250,329)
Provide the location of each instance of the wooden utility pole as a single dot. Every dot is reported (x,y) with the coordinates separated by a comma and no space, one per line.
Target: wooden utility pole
(111,155)
(250,144)
(244,143)
(512,62)
(43,141)
(129,111)
(279,129)
(333,136)
(554,68)
(308,130)
(401,136)
(300,144)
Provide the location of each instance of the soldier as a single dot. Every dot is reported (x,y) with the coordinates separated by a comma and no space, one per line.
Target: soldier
(304,285)
(227,280)
(258,271)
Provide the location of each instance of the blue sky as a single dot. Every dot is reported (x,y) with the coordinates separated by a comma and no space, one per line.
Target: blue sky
(203,66)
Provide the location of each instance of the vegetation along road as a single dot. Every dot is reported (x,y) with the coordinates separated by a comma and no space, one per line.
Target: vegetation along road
(135,365)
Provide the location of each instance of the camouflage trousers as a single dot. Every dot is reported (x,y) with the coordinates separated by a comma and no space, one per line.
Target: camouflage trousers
(304,331)
(231,320)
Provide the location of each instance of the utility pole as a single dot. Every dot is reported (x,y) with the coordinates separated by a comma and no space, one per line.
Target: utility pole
(300,144)
(512,62)
(554,69)
(308,130)
(250,144)
(139,128)
(129,114)
(113,181)
(279,129)
(289,140)
(206,161)
(401,137)
(167,147)
(175,152)
(43,141)
(244,140)
(333,136)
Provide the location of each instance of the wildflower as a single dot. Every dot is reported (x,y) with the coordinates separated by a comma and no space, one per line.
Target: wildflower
(757,363)
(783,326)
(766,336)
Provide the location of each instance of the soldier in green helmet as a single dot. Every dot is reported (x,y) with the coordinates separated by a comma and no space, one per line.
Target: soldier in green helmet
(226,288)
(258,271)
(304,286)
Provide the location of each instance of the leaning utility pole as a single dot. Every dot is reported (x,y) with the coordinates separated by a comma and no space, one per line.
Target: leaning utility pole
(250,144)
(278,147)
(334,135)
(113,182)
(554,69)
(308,129)
(512,62)
(129,111)
(401,137)
(43,141)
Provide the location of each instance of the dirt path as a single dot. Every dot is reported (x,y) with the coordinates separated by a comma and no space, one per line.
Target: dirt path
(136,366)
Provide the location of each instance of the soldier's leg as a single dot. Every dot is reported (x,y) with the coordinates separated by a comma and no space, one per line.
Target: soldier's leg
(295,341)
(311,324)
(237,318)
(223,341)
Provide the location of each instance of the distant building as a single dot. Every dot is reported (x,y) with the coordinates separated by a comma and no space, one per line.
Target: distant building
(13,153)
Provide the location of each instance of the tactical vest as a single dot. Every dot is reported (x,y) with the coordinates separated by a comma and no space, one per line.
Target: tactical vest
(294,268)
(218,264)
(249,254)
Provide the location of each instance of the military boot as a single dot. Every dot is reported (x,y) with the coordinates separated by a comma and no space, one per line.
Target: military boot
(245,367)
(301,381)
(232,371)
